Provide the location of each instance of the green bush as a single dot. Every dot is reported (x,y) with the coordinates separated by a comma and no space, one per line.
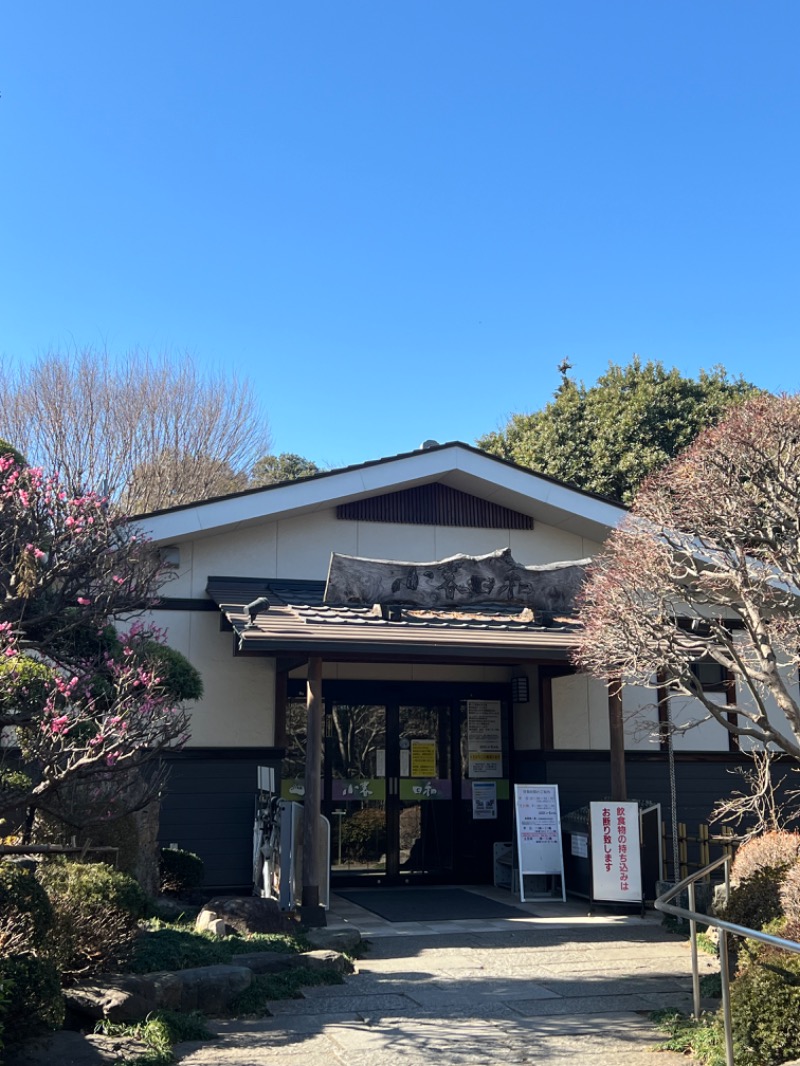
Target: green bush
(93,882)
(34,1002)
(181,871)
(5,995)
(756,901)
(26,915)
(95,910)
(364,835)
(774,849)
(765,1004)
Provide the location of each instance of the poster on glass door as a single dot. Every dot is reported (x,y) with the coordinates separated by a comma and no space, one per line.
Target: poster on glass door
(484,738)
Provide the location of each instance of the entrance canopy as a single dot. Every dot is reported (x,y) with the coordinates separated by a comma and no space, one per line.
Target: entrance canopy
(294,619)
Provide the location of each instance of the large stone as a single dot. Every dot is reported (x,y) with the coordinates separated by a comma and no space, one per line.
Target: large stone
(261,962)
(130,997)
(346,940)
(78,1049)
(250,914)
(321,960)
(207,988)
(119,997)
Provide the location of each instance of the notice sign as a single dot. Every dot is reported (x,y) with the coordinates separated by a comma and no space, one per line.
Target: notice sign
(538,832)
(484,799)
(616,859)
(423,758)
(484,738)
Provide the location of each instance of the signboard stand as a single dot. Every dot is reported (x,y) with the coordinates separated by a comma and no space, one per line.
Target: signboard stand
(538,835)
(616,854)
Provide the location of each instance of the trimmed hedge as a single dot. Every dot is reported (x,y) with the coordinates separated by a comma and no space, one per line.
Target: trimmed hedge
(181,871)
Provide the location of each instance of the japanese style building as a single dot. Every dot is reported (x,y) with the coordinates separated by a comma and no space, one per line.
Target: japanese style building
(433,674)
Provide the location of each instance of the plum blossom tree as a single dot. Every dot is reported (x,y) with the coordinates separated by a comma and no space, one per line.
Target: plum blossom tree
(706,569)
(80,701)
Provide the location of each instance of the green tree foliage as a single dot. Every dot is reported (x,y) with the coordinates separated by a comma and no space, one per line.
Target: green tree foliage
(608,437)
(284,467)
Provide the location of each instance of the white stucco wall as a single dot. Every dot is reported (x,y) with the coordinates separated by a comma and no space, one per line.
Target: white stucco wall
(238,705)
(300,547)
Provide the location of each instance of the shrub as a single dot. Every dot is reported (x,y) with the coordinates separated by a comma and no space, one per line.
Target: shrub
(364,835)
(765,1002)
(34,1002)
(181,871)
(25,912)
(95,911)
(790,893)
(93,882)
(774,849)
(755,901)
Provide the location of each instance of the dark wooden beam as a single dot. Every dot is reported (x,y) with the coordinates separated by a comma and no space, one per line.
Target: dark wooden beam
(311,909)
(281,679)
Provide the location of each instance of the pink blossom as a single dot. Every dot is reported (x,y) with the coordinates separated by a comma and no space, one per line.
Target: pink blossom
(84,602)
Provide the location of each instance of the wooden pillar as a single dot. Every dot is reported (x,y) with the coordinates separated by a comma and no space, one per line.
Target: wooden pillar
(281,699)
(616,730)
(312,912)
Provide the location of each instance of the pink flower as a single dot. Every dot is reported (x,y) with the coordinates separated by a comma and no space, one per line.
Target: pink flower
(84,602)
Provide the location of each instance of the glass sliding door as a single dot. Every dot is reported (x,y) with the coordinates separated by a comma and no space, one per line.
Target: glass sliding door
(424,808)
(356,787)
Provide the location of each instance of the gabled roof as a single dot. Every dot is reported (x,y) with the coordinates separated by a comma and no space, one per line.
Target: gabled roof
(460,466)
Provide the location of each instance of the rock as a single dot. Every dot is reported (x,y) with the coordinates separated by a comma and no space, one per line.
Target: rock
(119,997)
(321,960)
(346,940)
(131,997)
(249,914)
(207,988)
(76,1049)
(261,962)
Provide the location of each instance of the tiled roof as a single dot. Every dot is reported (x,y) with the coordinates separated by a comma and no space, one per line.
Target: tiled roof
(298,620)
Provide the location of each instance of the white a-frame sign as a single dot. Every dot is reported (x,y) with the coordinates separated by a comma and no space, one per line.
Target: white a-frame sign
(538,821)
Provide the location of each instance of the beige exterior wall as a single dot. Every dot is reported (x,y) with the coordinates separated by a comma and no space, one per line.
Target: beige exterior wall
(238,706)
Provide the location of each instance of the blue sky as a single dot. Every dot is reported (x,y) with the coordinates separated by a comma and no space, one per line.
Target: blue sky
(398,218)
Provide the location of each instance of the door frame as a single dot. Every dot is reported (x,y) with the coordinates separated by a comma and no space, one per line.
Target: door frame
(415,693)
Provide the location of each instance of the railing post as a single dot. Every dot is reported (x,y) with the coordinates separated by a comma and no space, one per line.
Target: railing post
(726,996)
(684,852)
(695,967)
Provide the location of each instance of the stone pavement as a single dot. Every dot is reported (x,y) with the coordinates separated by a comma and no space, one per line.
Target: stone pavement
(559,987)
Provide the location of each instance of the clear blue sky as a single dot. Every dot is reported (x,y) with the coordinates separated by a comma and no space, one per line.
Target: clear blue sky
(398,217)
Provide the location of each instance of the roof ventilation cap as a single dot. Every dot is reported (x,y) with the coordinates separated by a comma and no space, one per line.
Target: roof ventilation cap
(428,444)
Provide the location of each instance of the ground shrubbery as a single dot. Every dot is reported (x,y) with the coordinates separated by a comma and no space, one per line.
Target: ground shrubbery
(180,871)
(765,991)
(32,998)
(62,920)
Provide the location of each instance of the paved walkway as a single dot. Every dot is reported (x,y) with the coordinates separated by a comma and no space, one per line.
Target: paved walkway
(558,987)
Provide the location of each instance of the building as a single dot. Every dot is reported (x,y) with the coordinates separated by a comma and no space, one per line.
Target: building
(420,701)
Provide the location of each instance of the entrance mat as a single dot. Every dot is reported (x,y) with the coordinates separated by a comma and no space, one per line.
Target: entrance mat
(429,905)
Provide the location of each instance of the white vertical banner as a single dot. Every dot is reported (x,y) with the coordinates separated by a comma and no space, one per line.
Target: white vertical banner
(616,857)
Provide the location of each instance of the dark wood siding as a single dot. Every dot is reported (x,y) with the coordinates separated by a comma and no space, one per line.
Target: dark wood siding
(208,809)
(434,505)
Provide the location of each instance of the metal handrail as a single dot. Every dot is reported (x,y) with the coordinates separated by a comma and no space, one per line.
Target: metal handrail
(725,928)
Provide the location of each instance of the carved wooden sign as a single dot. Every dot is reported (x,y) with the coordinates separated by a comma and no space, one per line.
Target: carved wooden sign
(461,580)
